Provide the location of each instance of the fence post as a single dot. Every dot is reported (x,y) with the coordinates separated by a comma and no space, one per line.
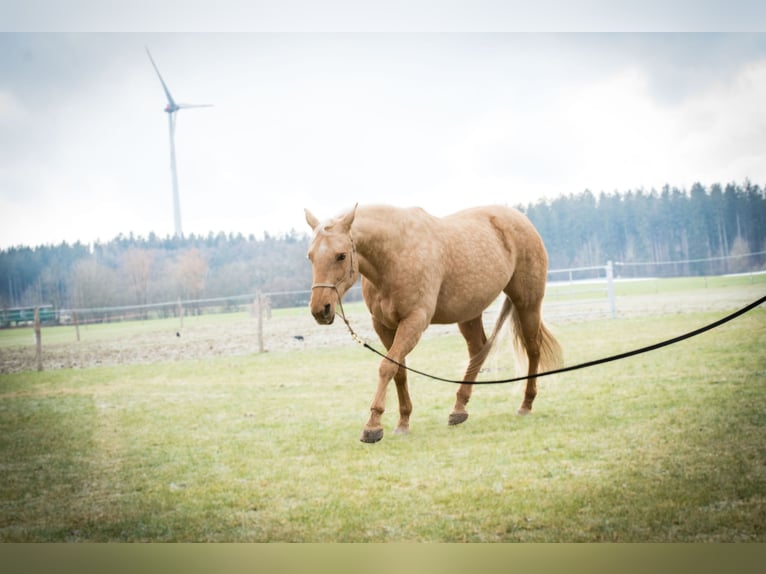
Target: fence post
(259,303)
(610,288)
(38,340)
(76,320)
(180,315)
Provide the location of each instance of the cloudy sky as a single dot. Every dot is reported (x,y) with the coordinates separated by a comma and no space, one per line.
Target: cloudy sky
(444,120)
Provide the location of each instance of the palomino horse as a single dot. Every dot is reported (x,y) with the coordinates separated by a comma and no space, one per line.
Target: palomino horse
(418,269)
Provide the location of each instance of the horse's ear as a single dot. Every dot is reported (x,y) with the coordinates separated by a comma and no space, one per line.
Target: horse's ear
(310,219)
(346,221)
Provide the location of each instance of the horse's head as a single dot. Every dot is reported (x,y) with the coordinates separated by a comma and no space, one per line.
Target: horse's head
(334,264)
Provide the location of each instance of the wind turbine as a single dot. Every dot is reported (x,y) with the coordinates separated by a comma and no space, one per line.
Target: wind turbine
(171,110)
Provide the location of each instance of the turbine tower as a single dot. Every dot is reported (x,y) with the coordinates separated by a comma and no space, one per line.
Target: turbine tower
(171,110)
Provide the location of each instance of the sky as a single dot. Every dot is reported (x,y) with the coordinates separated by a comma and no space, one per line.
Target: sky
(440,119)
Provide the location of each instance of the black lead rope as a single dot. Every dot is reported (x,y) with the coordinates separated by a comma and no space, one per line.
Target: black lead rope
(617,357)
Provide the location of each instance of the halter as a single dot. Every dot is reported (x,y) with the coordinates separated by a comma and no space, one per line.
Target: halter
(350,274)
(354,336)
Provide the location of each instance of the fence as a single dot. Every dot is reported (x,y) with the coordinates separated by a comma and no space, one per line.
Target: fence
(574,293)
(709,266)
(582,291)
(571,292)
(590,291)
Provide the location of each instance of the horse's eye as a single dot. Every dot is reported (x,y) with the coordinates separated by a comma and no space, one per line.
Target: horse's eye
(340,257)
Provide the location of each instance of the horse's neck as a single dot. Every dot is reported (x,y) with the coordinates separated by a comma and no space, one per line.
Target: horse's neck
(377,236)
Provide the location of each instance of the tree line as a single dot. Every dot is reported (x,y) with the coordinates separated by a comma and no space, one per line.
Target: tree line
(579,230)
(718,224)
(137,271)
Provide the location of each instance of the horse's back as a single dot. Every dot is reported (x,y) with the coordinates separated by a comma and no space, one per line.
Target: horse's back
(494,232)
(455,266)
(497,217)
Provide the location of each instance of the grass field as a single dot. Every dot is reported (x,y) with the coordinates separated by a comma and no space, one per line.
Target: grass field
(668,446)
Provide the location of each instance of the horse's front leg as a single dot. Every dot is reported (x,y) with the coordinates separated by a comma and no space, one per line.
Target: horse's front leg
(400,378)
(405,338)
(405,403)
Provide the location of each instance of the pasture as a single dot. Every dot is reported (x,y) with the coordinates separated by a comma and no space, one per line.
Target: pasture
(217,443)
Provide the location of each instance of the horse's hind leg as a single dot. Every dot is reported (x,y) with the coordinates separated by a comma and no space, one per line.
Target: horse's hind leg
(528,329)
(475,338)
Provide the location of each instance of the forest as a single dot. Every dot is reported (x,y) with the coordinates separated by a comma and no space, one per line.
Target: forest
(707,230)
(655,227)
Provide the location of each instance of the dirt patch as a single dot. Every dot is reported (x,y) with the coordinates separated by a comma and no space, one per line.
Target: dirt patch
(201,337)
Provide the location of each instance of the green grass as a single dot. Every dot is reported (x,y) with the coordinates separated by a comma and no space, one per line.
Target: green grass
(101,331)
(556,292)
(681,284)
(667,446)
(652,286)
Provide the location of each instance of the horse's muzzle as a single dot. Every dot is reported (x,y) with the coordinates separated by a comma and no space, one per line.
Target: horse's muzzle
(324,315)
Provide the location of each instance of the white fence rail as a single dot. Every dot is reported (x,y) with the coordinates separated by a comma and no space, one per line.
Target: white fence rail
(568,296)
(571,292)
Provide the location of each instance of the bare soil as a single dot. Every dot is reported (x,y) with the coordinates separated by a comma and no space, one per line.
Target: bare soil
(201,338)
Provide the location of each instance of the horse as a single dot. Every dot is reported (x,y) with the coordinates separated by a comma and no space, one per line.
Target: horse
(417,270)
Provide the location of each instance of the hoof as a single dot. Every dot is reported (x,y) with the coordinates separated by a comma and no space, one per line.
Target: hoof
(523,411)
(401,430)
(457,418)
(371,436)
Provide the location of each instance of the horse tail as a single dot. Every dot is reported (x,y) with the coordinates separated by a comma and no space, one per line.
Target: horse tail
(551,354)
(478,359)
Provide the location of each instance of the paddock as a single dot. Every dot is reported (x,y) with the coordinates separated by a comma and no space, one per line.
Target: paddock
(212,441)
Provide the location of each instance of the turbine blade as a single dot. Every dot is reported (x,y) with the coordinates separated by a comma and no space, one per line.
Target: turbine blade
(185,106)
(171,101)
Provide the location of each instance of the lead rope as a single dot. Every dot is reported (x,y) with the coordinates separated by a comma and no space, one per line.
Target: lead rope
(354,336)
(593,363)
